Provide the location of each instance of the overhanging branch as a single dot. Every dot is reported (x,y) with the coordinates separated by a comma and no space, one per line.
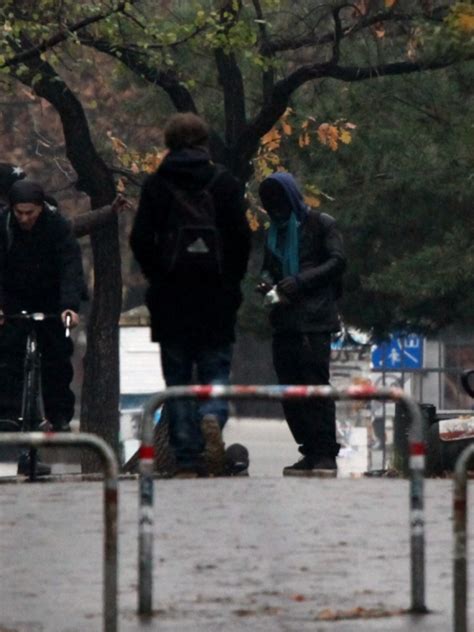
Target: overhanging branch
(273,109)
(280,45)
(137,62)
(60,37)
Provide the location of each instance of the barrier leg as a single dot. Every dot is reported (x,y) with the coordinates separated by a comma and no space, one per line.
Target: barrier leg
(460,541)
(109,463)
(417,527)
(145,531)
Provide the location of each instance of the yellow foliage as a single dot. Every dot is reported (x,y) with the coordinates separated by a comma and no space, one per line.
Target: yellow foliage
(312,201)
(465,22)
(328,135)
(304,140)
(151,162)
(345,137)
(252,220)
(462,17)
(273,137)
(118,145)
(390,3)
(273,159)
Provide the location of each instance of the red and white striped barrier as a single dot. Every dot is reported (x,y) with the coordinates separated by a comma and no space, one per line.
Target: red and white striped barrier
(280,392)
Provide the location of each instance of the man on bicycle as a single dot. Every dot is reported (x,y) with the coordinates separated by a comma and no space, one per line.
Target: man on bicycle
(40,271)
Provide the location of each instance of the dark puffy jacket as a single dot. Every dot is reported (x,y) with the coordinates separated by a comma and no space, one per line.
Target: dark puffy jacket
(322,262)
(188,309)
(40,270)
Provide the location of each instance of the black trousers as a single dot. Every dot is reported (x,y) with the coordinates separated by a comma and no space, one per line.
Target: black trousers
(56,370)
(303,358)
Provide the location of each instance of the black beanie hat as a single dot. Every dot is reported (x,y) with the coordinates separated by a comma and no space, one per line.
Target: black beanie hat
(9,174)
(25,191)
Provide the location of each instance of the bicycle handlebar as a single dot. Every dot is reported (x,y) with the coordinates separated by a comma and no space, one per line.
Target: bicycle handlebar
(67,325)
(40,317)
(36,316)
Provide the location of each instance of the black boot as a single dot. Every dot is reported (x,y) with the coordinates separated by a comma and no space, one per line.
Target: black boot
(24,463)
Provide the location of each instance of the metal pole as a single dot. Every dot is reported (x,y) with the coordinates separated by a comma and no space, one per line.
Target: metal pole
(460,540)
(145,519)
(417,463)
(110,466)
(417,451)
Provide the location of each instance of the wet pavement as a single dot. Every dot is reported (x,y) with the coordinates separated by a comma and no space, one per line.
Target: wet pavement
(263,553)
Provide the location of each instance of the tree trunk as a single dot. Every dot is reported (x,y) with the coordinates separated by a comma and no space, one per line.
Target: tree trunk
(100,393)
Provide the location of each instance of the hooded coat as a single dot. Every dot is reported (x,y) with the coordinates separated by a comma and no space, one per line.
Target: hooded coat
(40,270)
(321,262)
(189,308)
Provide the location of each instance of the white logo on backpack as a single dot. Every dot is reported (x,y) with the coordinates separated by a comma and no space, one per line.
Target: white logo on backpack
(198,247)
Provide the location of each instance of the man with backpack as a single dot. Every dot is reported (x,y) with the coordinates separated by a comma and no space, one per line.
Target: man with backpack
(301,279)
(191,239)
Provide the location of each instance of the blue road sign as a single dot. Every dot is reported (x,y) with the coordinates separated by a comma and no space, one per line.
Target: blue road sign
(400,353)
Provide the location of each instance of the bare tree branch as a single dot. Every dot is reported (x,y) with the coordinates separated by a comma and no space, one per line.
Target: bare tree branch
(268,76)
(278,45)
(338,35)
(168,80)
(137,62)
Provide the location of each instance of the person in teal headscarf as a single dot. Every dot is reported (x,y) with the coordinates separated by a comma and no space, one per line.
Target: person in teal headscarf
(303,265)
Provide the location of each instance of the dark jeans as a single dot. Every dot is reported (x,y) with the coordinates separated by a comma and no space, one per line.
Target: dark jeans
(56,370)
(183,364)
(304,359)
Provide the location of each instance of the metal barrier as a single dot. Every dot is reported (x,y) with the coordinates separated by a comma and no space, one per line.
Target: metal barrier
(417,465)
(460,540)
(109,462)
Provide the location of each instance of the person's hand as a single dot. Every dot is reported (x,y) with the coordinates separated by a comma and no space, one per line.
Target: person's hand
(74,318)
(263,287)
(288,287)
(120,204)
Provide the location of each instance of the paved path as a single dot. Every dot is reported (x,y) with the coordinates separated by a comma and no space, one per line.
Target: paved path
(262,554)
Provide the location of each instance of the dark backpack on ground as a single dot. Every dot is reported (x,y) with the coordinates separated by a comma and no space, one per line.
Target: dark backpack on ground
(190,243)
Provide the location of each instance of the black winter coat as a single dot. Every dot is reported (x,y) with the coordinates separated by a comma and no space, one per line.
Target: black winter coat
(189,309)
(322,263)
(40,270)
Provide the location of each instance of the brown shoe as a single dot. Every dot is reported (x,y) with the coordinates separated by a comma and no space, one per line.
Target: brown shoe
(214,451)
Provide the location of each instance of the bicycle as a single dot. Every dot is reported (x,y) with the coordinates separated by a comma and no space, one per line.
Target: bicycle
(32,417)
